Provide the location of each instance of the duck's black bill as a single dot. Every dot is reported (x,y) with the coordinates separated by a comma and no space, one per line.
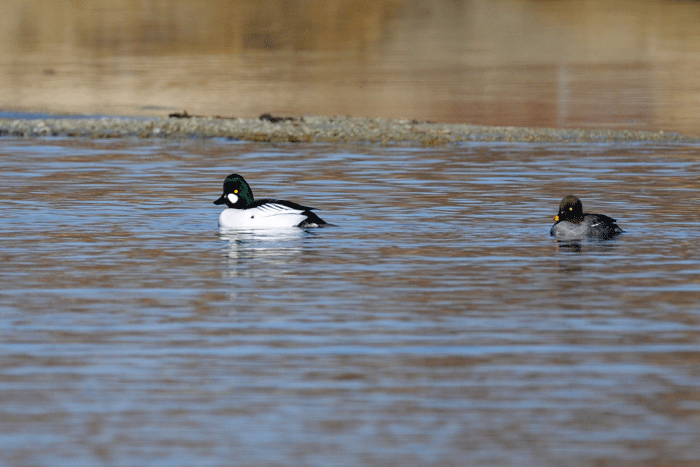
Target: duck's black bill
(221,200)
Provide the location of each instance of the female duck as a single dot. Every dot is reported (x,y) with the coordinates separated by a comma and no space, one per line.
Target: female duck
(246,213)
(571,222)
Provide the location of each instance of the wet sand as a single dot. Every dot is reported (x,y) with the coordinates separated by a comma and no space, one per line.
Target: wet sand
(345,129)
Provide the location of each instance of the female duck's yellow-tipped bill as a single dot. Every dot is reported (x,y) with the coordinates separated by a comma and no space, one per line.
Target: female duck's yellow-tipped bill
(556,218)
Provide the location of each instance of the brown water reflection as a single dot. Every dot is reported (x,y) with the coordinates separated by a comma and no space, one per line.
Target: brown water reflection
(624,64)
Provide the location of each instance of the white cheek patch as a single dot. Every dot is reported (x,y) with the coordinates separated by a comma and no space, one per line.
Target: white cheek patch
(232,198)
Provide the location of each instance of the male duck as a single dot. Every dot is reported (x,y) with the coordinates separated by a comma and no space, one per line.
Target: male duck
(571,222)
(246,213)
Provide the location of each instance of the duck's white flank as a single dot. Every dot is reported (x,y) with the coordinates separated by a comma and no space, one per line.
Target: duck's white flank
(265,216)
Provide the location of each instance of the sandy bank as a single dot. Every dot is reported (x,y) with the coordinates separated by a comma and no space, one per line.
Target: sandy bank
(315,129)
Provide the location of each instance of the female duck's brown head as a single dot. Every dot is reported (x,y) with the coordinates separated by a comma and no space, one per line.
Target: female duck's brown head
(570,209)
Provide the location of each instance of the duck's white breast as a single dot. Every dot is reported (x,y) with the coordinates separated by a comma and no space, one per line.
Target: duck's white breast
(569,231)
(266,216)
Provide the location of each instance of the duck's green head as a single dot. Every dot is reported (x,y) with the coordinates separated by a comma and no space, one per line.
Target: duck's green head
(237,193)
(570,209)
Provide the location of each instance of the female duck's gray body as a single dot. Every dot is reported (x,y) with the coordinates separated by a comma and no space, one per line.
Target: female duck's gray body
(571,222)
(244,212)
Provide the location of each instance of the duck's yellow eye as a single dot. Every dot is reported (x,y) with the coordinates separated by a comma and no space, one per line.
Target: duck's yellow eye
(235,191)
(571,209)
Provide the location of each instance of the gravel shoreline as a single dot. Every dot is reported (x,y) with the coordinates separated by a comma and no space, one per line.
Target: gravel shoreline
(315,129)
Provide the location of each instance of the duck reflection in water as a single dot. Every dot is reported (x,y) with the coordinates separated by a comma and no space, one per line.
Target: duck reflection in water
(266,252)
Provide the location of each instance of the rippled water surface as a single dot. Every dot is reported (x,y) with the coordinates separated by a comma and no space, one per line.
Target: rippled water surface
(436,323)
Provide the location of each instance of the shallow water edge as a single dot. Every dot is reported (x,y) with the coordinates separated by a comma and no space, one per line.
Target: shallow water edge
(316,129)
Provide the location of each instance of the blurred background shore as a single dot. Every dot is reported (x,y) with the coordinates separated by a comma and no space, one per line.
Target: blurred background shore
(565,64)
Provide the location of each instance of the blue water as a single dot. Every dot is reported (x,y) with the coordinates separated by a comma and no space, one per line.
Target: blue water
(436,323)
